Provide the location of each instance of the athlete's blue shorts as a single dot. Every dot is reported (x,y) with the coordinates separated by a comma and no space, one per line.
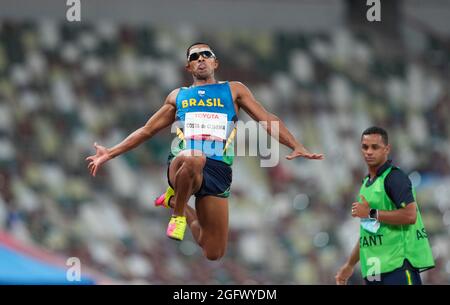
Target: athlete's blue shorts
(217,178)
(405,275)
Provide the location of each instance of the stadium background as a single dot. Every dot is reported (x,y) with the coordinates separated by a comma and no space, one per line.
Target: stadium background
(319,65)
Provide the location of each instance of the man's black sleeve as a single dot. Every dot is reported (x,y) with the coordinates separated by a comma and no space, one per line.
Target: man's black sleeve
(398,188)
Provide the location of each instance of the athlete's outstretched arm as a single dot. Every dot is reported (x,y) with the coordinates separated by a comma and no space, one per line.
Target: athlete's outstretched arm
(160,120)
(247,101)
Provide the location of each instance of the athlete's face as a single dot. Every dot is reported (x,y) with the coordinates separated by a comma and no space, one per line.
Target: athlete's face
(374,150)
(201,61)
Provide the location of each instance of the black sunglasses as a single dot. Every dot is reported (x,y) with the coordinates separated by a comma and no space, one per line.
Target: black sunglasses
(205,54)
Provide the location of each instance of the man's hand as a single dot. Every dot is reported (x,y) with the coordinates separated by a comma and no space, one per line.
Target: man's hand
(303,152)
(101,156)
(361,210)
(344,274)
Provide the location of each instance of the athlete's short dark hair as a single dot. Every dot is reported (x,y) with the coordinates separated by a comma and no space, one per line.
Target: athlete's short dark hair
(194,44)
(377,130)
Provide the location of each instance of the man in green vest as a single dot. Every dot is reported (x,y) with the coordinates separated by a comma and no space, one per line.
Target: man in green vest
(393,246)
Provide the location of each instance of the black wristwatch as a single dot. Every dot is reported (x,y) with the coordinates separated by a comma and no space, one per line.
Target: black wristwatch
(373,214)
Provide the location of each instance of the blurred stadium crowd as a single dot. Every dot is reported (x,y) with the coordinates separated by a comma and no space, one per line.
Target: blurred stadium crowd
(63,87)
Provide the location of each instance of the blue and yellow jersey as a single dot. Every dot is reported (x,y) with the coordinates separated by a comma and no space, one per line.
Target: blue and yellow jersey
(206,121)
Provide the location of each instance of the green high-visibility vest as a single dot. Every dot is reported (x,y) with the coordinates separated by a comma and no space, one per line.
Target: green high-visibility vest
(386,250)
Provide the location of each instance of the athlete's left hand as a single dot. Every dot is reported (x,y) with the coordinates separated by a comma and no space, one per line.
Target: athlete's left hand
(361,210)
(304,153)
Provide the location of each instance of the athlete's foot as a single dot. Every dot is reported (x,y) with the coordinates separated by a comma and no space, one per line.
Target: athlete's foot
(165,199)
(176,227)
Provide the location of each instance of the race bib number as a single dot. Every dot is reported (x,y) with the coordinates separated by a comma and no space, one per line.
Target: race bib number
(206,125)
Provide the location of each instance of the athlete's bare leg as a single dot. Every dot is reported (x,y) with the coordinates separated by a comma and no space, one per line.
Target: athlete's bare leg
(209,224)
(191,217)
(186,175)
(212,222)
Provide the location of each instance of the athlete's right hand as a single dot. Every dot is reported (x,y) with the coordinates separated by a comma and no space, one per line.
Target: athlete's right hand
(344,274)
(101,156)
